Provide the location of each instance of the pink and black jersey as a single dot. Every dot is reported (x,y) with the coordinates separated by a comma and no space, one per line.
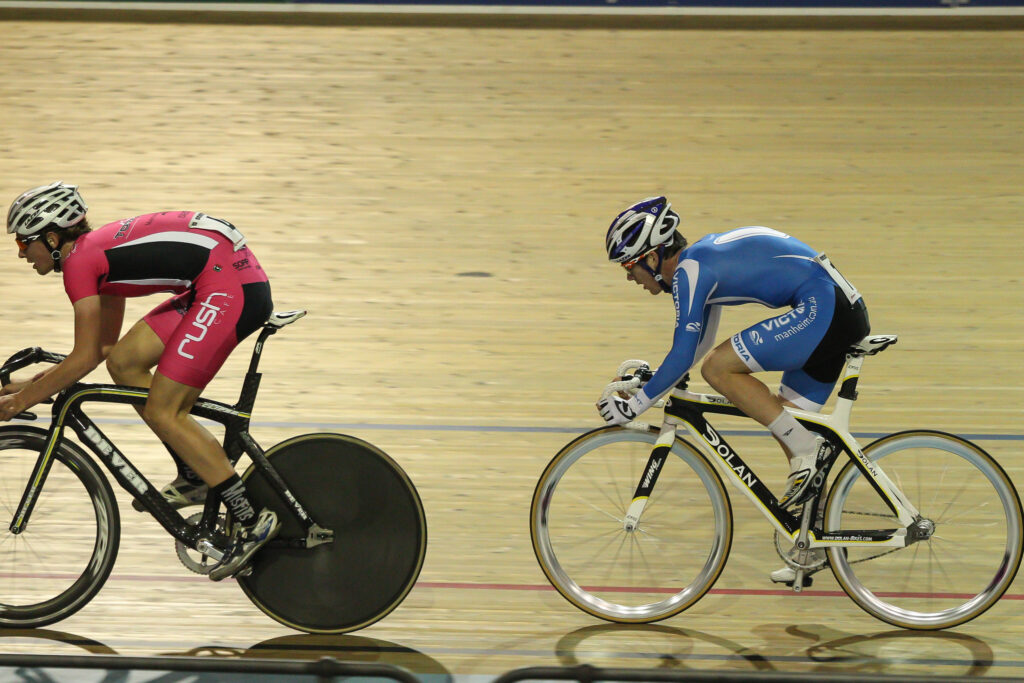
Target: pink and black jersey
(222,293)
(156,252)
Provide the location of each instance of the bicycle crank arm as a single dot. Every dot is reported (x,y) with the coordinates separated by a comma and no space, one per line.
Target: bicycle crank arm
(798,580)
(209,549)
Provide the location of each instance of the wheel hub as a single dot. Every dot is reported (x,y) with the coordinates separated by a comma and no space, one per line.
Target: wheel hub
(922,529)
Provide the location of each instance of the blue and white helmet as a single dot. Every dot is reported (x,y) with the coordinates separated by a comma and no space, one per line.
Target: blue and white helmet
(640,229)
(57,205)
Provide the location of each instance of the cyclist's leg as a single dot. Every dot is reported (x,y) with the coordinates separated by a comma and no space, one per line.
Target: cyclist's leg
(729,375)
(167,414)
(133,358)
(224,311)
(131,362)
(784,342)
(195,349)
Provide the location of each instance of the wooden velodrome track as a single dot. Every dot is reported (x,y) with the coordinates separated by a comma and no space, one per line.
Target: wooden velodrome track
(437,198)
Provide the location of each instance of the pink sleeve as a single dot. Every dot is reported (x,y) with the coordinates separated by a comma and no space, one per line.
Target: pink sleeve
(81,276)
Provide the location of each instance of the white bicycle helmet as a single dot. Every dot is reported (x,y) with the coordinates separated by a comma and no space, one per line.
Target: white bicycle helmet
(640,229)
(57,205)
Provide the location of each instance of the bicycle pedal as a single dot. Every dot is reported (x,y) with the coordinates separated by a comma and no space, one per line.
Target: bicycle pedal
(807,583)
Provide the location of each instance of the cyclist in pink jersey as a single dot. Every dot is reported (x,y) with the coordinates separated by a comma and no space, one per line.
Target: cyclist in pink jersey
(221,295)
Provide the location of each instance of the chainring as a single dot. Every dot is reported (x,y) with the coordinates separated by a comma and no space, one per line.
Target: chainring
(194,560)
(789,554)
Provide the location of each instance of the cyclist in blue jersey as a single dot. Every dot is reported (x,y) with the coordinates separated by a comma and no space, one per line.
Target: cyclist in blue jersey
(824,315)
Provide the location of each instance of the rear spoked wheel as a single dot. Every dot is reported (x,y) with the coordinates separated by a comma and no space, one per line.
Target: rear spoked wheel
(970,529)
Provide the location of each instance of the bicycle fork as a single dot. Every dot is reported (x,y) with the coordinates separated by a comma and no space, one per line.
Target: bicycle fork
(650,477)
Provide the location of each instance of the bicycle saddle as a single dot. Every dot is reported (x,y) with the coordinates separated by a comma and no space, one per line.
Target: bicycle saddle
(279,320)
(872,344)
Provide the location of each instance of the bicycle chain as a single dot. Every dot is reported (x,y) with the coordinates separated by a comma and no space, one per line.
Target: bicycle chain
(796,565)
(872,557)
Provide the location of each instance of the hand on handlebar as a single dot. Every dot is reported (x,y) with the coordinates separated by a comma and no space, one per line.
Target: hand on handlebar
(10,405)
(616,411)
(621,401)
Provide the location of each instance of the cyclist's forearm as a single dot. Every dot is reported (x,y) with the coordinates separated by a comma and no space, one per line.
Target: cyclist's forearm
(48,383)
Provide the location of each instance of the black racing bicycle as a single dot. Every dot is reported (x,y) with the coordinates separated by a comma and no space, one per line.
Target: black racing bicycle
(353,532)
(922,529)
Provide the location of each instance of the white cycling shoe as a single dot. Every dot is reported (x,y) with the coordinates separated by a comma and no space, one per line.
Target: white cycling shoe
(802,471)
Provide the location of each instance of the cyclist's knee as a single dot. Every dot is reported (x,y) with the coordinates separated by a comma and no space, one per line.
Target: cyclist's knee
(721,364)
(715,367)
(160,417)
(120,366)
(169,404)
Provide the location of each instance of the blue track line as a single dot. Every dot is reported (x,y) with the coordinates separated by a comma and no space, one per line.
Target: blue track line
(516,429)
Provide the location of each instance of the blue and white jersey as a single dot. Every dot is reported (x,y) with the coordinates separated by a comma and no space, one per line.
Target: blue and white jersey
(746,265)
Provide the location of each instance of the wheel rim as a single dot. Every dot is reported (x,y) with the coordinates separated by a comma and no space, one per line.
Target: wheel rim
(961,570)
(65,553)
(666,564)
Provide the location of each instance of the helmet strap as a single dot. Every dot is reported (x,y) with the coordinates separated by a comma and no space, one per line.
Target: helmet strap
(656,271)
(56,255)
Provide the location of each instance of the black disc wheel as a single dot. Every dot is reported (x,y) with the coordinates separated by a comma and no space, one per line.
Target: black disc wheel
(380,535)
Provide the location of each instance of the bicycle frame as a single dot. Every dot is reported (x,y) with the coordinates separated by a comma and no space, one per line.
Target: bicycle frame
(688,409)
(67,411)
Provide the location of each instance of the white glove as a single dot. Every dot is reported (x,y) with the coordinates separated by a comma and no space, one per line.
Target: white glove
(617,411)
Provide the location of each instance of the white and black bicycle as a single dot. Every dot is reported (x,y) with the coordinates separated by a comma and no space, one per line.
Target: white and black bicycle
(922,529)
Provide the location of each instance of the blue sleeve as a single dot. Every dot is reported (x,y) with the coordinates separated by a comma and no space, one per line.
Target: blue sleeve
(692,285)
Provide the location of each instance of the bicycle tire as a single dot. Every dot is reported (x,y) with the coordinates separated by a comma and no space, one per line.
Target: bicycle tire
(380,535)
(978,528)
(62,558)
(672,558)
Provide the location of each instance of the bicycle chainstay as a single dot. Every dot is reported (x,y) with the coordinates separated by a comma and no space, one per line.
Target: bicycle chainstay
(881,554)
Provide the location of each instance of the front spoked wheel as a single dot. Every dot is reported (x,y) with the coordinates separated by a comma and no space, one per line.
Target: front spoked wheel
(64,555)
(654,571)
(972,532)
(380,535)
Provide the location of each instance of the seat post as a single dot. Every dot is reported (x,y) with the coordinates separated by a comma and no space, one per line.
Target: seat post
(252,378)
(251,383)
(848,389)
(257,350)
